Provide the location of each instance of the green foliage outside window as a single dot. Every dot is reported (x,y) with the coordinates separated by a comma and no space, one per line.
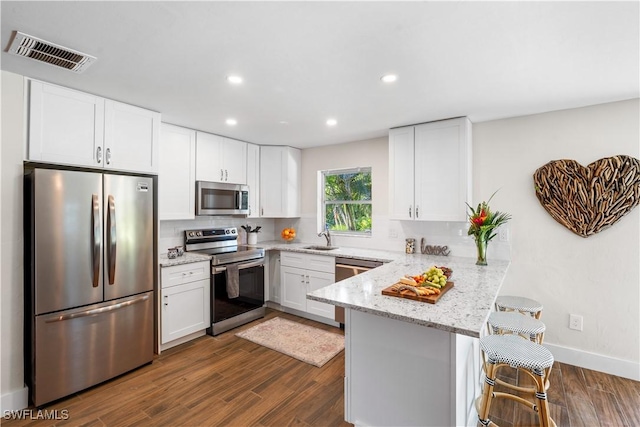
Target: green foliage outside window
(347,200)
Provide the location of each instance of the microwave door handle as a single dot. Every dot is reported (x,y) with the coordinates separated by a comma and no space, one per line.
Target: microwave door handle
(239,199)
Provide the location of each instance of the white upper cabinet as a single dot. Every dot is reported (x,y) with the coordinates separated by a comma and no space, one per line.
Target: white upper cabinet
(131,137)
(220,159)
(208,161)
(430,171)
(75,128)
(279,182)
(253,179)
(65,126)
(177,173)
(234,160)
(401,176)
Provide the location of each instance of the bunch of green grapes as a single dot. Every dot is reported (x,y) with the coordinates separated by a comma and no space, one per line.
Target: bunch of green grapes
(435,276)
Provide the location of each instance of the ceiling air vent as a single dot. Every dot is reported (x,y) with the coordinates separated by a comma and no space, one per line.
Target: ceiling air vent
(51,53)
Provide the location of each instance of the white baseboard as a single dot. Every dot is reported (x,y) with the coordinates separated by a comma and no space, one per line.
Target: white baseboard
(596,362)
(15,400)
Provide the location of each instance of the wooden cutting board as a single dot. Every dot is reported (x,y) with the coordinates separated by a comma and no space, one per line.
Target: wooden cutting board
(431,299)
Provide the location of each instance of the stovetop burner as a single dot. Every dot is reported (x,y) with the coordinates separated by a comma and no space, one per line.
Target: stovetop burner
(222,244)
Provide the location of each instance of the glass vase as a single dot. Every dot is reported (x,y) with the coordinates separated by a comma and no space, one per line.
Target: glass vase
(481,246)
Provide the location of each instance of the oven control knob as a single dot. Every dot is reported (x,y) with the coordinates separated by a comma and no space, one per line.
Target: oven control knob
(226,231)
(233,231)
(199,233)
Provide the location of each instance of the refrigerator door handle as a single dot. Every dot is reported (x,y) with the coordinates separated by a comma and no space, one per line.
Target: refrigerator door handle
(95,311)
(97,241)
(112,240)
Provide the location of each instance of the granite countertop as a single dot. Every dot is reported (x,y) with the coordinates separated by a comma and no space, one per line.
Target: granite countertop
(186,258)
(462,310)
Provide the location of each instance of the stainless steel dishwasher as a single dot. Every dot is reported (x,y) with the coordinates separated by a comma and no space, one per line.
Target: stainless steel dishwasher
(349,267)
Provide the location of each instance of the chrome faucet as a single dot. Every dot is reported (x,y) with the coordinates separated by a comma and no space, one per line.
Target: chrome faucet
(326,235)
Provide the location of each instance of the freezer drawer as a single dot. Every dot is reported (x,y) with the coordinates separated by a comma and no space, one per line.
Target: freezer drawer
(79,348)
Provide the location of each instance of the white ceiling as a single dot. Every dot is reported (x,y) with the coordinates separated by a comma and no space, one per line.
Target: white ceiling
(304,62)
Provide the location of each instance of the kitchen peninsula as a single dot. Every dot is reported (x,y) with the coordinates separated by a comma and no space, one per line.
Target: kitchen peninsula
(410,362)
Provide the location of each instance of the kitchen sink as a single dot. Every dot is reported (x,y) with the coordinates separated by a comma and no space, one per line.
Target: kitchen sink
(320,248)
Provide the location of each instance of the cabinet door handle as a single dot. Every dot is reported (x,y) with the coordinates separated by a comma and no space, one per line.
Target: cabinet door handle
(417,211)
(99,154)
(409,211)
(226,175)
(262,211)
(221,175)
(108,156)
(166,300)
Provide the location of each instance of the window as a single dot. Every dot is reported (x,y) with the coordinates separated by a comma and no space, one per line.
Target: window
(346,201)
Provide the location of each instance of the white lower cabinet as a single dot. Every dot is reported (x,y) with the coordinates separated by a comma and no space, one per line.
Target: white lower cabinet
(185,302)
(317,280)
(294,288)
(297,281)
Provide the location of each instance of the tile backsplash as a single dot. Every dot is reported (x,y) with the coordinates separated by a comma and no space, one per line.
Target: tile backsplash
(387,234)
(172,232)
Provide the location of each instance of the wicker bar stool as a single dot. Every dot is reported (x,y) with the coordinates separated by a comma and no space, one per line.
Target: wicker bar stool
(514,323)
(499,351)
(519,304)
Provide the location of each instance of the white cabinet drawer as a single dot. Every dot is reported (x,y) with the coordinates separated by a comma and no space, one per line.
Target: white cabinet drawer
(321,263)
(185,273)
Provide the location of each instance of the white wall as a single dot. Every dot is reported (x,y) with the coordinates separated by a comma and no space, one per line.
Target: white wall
(597,277)
(12,389)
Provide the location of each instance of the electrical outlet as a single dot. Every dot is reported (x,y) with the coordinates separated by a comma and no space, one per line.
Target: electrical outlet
(503,234)
(393,233)
(575,322)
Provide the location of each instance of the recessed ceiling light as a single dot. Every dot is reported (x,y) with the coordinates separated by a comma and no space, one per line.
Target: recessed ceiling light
(332,122)
(231,122)
(283,122)
(236,80)
(389,78)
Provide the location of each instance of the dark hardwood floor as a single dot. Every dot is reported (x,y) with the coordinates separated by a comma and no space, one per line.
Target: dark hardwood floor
(229,381)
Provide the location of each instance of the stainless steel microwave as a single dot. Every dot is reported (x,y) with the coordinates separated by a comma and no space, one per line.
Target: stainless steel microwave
(217,198)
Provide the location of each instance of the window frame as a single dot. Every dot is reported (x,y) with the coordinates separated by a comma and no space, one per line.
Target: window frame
(322,202)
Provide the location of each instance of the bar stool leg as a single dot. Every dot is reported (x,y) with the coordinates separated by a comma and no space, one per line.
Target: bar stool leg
(487,394)
(541,397)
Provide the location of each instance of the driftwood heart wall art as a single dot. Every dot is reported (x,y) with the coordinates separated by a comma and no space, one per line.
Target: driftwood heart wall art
(589,199)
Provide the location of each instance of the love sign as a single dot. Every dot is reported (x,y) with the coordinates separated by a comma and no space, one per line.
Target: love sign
(589,199)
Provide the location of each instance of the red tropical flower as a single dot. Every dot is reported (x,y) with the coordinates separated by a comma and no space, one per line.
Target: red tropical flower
(483,222)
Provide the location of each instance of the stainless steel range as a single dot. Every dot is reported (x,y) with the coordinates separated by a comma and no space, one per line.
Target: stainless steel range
(237,277)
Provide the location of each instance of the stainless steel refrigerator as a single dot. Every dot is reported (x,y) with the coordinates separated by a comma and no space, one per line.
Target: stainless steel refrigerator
(89,278)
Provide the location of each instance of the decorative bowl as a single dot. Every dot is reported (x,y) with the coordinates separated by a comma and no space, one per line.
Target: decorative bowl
(288,234)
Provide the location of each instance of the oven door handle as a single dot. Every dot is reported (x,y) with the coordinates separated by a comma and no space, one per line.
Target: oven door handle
(221,269)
